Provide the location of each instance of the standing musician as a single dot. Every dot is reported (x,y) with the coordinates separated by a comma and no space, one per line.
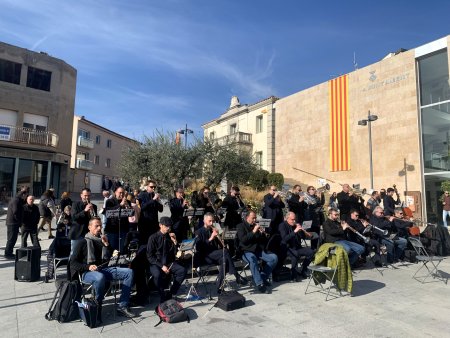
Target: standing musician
(273,208)
(348,200)
(373,202)
(335,232)
(295,203)
(150,203)
(210,249)
(204,201)
(82,212)
(161,251)
(292,234)
(360,224)
(233,203)
(395,246)
(313,212)
(389,203)
(180,223)
(117,227)
(252,240)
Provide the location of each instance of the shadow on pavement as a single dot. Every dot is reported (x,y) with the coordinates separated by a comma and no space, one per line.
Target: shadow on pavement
(364,287)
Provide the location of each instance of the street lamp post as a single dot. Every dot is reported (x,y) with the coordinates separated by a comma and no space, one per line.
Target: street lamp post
(365,122)
(185,131)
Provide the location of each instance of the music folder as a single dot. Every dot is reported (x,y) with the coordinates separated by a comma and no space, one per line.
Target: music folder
(306,225)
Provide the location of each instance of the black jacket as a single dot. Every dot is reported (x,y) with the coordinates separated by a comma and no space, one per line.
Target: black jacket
(78,260)
(389,205)
(161,250)
(347,202)
(149,208)
(248,240)
(273,209)
(30,217)
(297,207)
(232,218)
(203,245)
(381,223)
(289,238)
(333,231)
(80,220)
(14,216)
(177,209)
(112,223)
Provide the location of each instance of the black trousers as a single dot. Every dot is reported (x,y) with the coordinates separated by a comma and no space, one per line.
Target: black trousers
(33,235)
(11,238)
(161,279)
(295,255)
(217,257)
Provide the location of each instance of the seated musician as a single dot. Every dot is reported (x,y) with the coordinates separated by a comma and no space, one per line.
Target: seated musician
(209,249)
(360,224)
(87,259)
(401,224)
(335,232)
(161,252)
(292,234)
(252,240)
(395,245)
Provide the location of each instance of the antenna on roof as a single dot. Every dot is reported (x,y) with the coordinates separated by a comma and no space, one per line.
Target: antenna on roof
(355,64)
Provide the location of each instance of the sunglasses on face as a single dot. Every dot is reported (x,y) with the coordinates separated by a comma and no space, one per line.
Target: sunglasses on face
(152,186)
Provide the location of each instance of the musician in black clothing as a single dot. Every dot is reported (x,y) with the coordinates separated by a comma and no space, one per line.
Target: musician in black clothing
(347,200)
(296,203)
(360,224)
(161,251)
(395,246)
(210,250)
(117,227)
(234,205)
(180,223)
(401,225)
(389,203)
(273,208)
(313,212)
(292,234)
(204,201)
(82,212)
(150,203)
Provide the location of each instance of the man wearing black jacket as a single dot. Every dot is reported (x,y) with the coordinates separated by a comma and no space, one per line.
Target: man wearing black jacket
(252,240)
(347,201)
(82,212)
(233,204)
(118,226)
(177,206)
(88,259)
(292,234)
(31,217)
(273,208)
(14,219)
(161,250)
(150,206)
(389,203)
(296,204)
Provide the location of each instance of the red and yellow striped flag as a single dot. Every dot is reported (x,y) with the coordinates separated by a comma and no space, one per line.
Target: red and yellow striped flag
(339,124)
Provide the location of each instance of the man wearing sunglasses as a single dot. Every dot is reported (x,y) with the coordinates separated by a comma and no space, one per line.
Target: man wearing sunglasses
(150,203)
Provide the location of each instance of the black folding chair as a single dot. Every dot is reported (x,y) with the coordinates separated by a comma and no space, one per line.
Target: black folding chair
(431,263)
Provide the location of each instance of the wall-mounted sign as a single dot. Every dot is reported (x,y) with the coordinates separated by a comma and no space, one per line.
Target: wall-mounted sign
(378,84)
(5,133)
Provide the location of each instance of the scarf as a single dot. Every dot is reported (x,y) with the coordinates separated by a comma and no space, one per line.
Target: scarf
(92,242)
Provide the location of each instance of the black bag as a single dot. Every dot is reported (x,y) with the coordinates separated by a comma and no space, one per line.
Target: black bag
(410,256)
(88,312)
(230,300)
(282,274)
(171,311)
(64,307)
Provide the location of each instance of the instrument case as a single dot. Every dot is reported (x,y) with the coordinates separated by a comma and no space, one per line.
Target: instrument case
(230,300)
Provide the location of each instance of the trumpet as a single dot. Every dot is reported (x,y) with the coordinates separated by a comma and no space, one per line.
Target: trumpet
(364,238)
(372,227)
(92,212)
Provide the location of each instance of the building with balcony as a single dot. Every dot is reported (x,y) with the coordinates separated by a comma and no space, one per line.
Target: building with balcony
(96,151)
(251,127)
(37,97)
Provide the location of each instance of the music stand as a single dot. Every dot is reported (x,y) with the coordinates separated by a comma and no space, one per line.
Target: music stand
(185,246)
(118,213)
(264,222)
(188,212)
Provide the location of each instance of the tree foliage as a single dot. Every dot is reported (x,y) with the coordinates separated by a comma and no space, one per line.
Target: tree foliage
(276,179)
(258,180)
(161,159)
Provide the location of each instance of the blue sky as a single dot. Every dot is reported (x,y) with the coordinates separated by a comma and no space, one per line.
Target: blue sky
(146,65)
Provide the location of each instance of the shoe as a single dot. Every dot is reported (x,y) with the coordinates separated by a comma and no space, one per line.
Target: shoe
(261,288)
(51,237)
(241,280)
(267,283)
(126,312)
(9,256)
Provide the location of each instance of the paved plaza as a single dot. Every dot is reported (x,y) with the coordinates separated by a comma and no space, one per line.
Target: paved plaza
(387,303)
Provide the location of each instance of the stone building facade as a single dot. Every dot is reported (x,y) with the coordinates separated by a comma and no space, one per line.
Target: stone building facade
(37,97)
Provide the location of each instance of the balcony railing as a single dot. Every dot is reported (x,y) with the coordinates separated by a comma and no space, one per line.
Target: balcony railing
(85,142)
(84,164)
(28,136)
(239,137)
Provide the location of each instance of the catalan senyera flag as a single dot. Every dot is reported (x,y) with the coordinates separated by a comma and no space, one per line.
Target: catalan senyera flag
(339,124)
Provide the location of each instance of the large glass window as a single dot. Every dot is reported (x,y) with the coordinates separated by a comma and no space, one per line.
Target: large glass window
(259,124)
(6,179)
(39,79)
(435,115)
(10,71)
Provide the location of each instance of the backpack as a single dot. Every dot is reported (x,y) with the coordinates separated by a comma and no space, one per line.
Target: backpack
(88,310)
(64,307)
(171,311)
